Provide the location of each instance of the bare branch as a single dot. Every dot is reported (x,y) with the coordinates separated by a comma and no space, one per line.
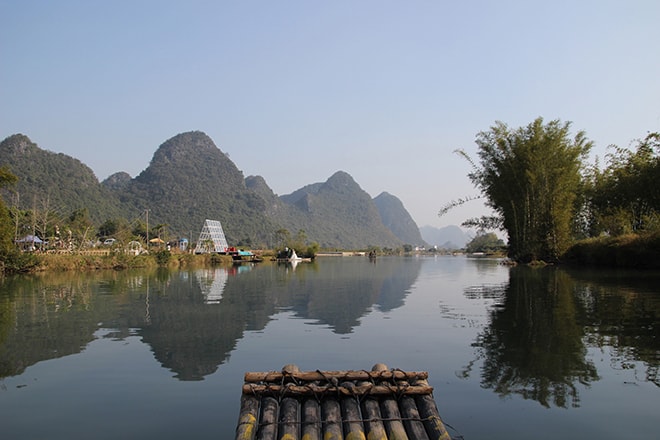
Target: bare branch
(456,203)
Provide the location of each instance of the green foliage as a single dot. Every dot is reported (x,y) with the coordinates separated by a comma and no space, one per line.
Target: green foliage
(531,177)
(117,228)
(79,229)
(486,242)
(299,242)
(7,177)
(282,238)
(312,250)
(485,222)
(11,259)
(216,259)
(188,181)
(163,257)
(15,261)
(109,228)
(6,229)
(625,197)
(397,219)
(140,230)
(54,183)
(630,250)
(337,214)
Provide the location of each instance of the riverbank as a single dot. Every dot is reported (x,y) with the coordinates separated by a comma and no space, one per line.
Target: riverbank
(630,251)
(118,261)
(627,251)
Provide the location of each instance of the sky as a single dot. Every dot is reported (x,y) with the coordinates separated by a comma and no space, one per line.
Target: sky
(295,91)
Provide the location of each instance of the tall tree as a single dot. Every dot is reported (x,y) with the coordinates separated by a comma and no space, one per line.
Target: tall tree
(6,225)
(79,229)
(530,176)
(625,197)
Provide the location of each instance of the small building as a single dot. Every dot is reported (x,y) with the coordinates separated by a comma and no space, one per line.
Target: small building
(29,242)
(211,239)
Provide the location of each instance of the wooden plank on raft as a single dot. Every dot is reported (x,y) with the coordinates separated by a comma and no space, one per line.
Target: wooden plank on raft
(352,375)
(313,389)
(393,425)
(373,421)
(411,420)
(248,420)
(311,419)
(350,411)
(380,404)
(428,411)
(331,411)
(289,421)
(268,421)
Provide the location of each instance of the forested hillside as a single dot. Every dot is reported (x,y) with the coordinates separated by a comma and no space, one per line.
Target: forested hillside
(339,214)
(189,180)
(394,215)
(53,184)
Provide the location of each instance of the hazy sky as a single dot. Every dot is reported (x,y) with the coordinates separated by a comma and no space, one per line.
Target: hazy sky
(297,90)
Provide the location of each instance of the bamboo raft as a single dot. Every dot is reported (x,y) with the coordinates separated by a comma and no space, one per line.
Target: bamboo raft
(380,404)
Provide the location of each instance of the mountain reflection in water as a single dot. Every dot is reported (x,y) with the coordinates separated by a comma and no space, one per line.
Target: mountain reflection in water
(513,353)
(191,320)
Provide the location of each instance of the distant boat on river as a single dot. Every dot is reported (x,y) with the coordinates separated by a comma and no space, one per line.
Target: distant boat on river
(242,256)
(289,255)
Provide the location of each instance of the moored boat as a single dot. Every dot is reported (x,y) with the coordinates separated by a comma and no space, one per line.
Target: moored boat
(242,256)
(288,256)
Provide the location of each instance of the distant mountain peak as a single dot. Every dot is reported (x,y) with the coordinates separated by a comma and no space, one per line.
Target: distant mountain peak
(189,179)
(448,237)
(18,143)
(178,147)
(340,177)
(338,213)
(395,216)
(341,183)
(117,181)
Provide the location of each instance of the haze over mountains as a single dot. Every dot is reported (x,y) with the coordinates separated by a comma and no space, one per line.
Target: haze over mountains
(189,179)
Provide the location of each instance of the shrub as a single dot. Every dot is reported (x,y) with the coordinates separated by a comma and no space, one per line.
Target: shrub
(163,257)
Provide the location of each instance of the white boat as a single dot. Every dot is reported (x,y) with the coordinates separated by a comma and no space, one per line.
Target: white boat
(289,255)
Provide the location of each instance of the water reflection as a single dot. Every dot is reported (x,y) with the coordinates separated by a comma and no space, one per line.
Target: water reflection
(545,320)
(622,311)
(191,320)
(212,283)
(36,319)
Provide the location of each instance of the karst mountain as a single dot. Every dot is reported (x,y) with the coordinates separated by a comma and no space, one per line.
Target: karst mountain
(189,179)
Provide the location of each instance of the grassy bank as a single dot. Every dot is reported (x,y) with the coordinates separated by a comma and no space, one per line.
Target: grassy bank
(119,261)
(631,251)
(31,262)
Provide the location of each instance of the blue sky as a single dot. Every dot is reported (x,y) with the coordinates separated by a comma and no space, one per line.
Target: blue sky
(297,90)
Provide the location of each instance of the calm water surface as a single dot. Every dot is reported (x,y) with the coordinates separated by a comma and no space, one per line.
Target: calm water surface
(513,353)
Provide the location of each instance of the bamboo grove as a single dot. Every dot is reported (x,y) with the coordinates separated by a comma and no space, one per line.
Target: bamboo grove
(545,196)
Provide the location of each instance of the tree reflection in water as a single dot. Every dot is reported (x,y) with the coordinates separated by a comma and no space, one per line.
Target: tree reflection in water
(623,310)
(533,345)
(545,321)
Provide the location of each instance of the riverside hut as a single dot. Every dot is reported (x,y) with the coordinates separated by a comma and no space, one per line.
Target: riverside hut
(355,404)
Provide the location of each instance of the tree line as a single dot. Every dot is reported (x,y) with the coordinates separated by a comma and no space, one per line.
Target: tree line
(536,178)
(545,195)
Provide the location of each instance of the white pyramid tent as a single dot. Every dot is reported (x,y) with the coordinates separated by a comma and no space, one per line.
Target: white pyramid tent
(211,239)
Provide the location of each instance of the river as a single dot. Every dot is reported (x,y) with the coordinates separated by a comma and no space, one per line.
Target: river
(512,352)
